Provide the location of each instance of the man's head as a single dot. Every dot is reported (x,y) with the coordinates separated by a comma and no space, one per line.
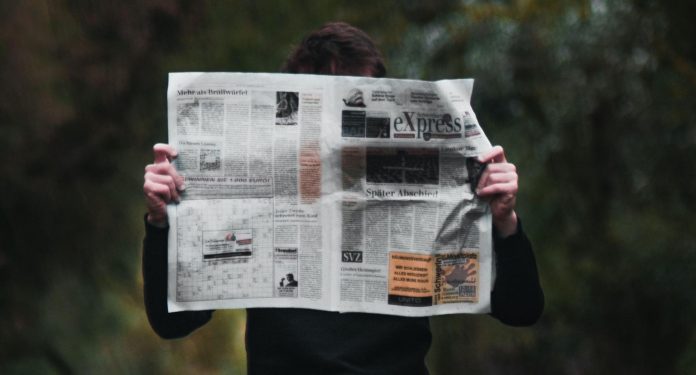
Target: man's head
(336,48)
(290,277)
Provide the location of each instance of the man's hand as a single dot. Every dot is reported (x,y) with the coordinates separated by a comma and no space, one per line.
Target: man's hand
(162,184)
(498,184)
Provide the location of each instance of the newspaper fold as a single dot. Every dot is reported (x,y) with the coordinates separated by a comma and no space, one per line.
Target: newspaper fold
(327,192)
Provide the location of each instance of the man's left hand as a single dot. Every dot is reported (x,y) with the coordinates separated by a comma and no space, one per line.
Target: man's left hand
(498,185)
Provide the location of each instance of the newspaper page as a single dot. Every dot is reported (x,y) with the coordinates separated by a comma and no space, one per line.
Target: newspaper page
(327,192)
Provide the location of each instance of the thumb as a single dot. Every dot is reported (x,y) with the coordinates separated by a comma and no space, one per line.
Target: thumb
(164,153)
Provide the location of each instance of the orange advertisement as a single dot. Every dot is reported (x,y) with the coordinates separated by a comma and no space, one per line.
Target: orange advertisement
(411,279)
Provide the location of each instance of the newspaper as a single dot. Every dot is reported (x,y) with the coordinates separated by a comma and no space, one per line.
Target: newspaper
(327,192)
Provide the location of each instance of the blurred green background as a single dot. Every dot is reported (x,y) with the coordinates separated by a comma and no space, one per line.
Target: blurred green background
(594,102)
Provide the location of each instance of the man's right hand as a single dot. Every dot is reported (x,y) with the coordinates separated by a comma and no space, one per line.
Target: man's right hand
(162,184)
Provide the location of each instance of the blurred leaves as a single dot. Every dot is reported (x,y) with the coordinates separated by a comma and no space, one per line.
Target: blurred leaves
(593,101)
(596,108)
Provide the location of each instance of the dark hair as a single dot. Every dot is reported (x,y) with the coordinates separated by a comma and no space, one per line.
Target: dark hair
(336,48)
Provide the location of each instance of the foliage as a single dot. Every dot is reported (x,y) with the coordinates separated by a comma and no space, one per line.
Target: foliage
(592,100)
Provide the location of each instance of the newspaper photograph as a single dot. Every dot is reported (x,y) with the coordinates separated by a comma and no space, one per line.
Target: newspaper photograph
(350,194)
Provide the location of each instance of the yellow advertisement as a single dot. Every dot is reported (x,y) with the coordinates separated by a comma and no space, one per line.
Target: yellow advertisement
(411,279)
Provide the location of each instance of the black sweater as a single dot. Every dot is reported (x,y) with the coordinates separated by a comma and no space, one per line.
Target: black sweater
(302,341)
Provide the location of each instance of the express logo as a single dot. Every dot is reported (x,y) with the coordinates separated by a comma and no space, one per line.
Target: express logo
(423,126)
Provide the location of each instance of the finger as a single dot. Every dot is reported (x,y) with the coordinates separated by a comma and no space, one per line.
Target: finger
(496,155)
(501,167)
(495,189)
(162,191)
(166,169)
(164,153)
(483,180)
(492,168)
(164,180)
(498,177)
(167,180)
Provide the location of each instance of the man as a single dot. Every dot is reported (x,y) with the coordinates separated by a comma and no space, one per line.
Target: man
(291,282)
(324,342)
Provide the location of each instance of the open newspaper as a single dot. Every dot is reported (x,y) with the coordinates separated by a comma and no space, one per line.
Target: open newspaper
(327,192)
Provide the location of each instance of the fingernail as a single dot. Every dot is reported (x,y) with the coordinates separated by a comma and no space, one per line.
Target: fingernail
(478,191)
(182,187)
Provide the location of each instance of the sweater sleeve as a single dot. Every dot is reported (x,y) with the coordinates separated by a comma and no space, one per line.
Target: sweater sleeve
(167,325)
(517,298)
